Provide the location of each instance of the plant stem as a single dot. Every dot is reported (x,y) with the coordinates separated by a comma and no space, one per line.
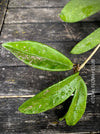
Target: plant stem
(89,57)
(17,96)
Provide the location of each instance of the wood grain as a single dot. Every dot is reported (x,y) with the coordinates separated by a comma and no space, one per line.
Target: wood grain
(48,32)
(13,122)
(37,32)
(82,29)
(39,15)
(3,8)
(27,80)
(35,15)
(37,3)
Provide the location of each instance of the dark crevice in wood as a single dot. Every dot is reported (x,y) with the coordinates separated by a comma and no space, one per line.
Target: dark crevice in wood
(97,93)
(33,7)
(60,22)
(36,23)
(4,16)
(14,66)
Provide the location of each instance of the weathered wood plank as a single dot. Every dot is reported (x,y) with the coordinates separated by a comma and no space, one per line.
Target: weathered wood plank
(7,59)
(28,80)
(47,31)
(37,32)
(81,30)
(3,7)
(37,3)
(3,3)
(37,15)
(12,121)
(33,15)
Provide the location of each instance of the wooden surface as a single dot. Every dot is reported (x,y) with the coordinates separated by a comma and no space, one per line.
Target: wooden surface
(38,20)
(3,8)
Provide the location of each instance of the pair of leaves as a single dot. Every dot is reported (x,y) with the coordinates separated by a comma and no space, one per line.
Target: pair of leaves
(58,93)
(39,55)
(77,10)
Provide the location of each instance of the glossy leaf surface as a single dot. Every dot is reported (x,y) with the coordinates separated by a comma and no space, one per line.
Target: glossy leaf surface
(77,10)
(87,43)
(39,55)
(78,105)
(50,97)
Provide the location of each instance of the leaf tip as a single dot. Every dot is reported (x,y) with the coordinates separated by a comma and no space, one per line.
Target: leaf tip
(70,124)
(26,109)
(19,109)
(4,44)
(72,52)
(62,118)
(22,109)
(61,15)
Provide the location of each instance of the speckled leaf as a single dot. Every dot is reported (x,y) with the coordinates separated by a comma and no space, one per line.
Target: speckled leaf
(50,97)
(77,10)
(87,43)
(39,55)
(78,105)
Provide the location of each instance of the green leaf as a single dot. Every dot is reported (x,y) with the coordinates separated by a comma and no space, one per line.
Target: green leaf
(77,10)
(39,55)
(78,105)
(50,97)
(87,43)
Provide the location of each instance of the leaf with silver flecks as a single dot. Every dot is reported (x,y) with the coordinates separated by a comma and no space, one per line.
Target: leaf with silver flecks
(51,97)
(39,55)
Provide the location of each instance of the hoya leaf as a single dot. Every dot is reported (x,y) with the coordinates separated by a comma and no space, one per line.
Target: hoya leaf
(76,10)
(87,43)
(78,105)
(50,97)
(39,55)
